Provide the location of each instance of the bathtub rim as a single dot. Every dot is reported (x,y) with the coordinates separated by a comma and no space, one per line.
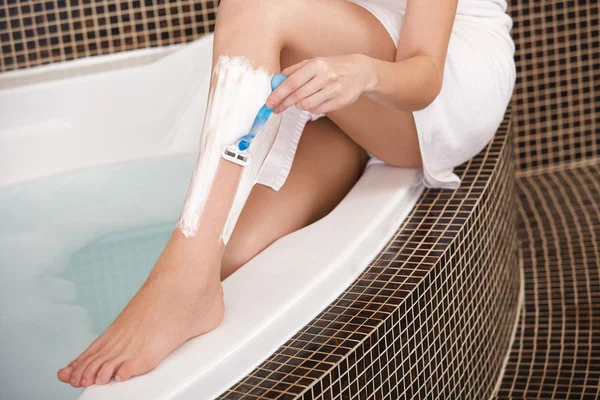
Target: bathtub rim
(68,69)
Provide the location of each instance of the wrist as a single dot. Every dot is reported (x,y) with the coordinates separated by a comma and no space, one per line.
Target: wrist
(369,73)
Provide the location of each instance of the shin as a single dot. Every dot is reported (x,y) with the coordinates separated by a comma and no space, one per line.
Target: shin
(237,92)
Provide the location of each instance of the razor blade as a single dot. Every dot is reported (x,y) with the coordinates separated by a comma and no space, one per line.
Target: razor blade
(235,155)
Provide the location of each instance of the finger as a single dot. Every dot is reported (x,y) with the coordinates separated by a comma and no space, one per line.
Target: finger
(293,68)
(290,85)
(315,101)
(311,87)
(327,107)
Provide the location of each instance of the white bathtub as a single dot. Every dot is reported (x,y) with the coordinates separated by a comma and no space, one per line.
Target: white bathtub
(68,131)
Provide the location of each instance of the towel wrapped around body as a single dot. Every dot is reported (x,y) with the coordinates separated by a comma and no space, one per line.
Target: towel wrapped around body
(478,81)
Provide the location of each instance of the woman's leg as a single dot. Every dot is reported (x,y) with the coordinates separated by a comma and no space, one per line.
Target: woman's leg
(326,166)
(311,191)
(182,297)
(294,30)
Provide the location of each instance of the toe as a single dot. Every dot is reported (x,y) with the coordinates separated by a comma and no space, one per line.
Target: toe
(78,365)
(125,371)
(64,374)
(135,366)
(75,378)
(77,374)
(107,371)
(89,375)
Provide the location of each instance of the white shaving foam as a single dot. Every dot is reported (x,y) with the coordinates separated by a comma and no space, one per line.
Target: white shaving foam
(237,92)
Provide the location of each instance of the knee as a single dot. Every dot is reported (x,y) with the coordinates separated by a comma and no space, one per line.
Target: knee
(253,12)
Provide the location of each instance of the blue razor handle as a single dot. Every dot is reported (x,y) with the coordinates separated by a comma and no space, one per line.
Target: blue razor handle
(277,80)
(261,117)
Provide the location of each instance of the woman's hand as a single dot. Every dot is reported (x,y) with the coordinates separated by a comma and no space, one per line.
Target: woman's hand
(323,84)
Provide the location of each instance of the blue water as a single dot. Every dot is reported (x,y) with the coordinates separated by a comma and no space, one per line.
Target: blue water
(74,249)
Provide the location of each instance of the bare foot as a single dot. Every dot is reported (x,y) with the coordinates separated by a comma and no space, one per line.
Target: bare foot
(180,299)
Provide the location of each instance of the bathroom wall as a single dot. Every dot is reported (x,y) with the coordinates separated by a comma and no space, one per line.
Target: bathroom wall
(556,112)
(558,44)
(35,32)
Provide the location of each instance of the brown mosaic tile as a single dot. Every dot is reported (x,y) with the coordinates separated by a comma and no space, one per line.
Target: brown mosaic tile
(35,32)
(431,317)
(556,353)
(555,104)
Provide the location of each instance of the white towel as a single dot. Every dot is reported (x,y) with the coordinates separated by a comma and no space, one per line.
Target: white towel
(479,77)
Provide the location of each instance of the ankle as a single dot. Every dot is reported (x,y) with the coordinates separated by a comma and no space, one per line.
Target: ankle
(199,249)
(190,259)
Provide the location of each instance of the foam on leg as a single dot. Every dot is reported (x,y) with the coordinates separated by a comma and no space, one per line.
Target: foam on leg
(237,92)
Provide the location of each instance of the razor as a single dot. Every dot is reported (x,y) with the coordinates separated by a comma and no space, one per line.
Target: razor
(238,152)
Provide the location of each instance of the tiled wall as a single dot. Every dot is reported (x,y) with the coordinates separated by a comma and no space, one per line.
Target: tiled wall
(556,104)
(34,32)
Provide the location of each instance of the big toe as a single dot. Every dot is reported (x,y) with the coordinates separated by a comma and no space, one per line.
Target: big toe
(64,374)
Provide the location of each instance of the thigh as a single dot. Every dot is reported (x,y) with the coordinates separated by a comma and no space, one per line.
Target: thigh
(284,32)
(326,166)
(337,27)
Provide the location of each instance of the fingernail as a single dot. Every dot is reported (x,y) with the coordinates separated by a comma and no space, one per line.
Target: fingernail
(276,111)
(67,369)
(83,382)
(97,381)
(117,378)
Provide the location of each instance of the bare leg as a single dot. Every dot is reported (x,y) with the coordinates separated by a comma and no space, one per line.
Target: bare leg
(182,297)
(297,30)
(312,189)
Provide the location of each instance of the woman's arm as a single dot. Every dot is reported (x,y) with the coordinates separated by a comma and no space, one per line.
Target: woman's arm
(415,79)
(412,82)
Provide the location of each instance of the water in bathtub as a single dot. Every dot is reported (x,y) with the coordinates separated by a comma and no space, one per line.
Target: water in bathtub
(74,249)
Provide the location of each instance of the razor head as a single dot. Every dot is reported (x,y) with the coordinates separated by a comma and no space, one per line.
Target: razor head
(233,154)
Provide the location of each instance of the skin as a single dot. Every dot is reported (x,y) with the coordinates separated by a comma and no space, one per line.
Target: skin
(340,61)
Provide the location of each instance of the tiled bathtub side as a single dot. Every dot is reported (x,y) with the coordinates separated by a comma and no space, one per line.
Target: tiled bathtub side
(431,317)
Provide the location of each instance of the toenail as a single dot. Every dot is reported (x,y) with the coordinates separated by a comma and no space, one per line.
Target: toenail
(118,378)
(68,368)
(83,382)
